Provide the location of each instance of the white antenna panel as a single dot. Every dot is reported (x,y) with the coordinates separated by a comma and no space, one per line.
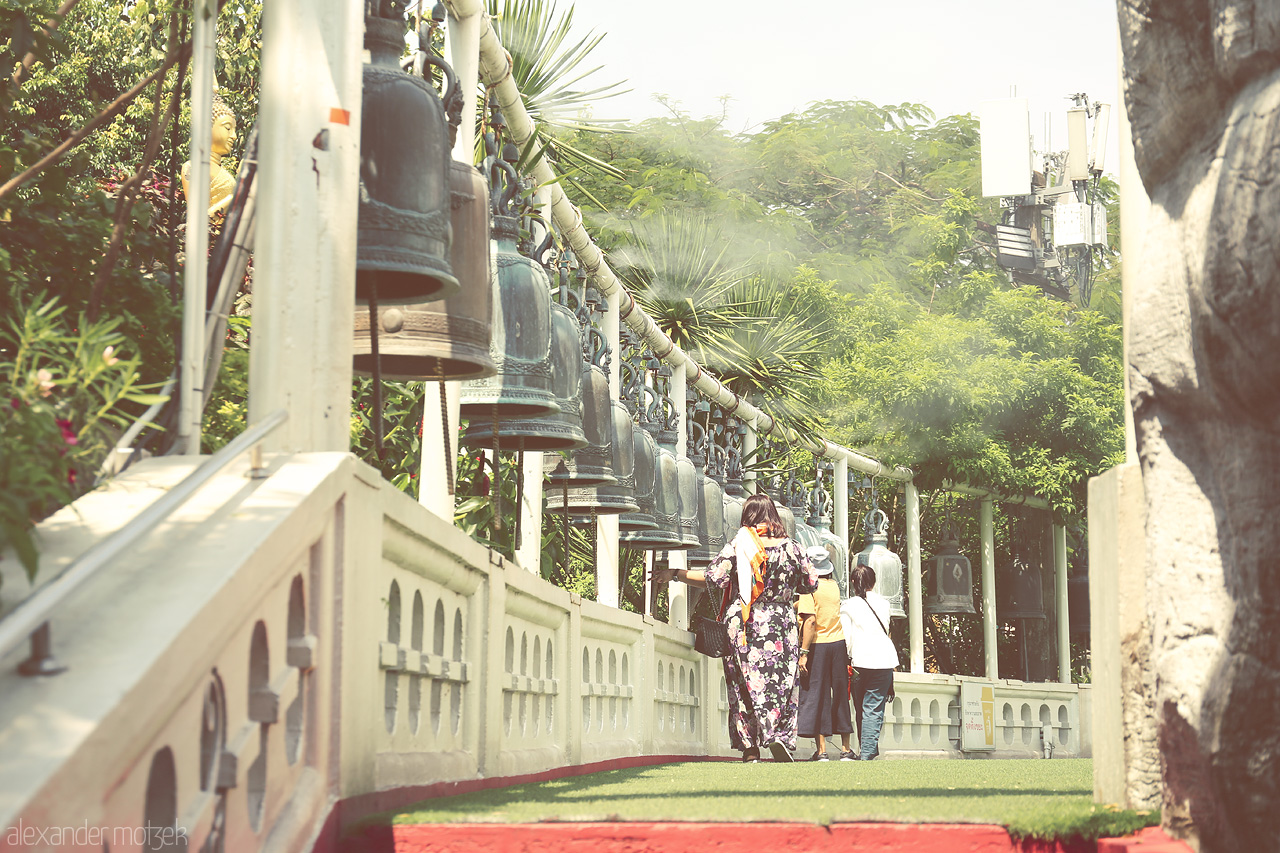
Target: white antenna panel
(1005,128)
(1077,145)
(1101,124)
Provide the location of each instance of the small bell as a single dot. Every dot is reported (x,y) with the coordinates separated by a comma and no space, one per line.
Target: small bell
(886,564)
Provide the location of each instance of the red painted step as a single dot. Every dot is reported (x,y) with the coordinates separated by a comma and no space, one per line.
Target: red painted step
(729,838)
(1149,840)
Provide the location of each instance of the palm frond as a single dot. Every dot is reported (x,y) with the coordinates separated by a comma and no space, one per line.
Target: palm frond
(682,270)
(547,64)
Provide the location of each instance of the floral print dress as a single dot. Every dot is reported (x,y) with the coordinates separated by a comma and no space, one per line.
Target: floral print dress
(761,673)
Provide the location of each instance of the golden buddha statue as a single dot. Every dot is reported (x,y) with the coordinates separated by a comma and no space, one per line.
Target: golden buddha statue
(221,182)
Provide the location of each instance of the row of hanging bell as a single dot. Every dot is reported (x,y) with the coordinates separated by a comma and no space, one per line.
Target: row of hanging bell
(707,492)
(422,258)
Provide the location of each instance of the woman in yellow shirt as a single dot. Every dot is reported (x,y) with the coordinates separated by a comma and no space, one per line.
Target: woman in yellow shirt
(824,670)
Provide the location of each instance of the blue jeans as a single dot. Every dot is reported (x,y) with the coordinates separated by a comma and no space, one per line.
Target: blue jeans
(869,699)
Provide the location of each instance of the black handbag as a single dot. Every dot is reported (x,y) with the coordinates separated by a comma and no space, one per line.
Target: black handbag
(711,636)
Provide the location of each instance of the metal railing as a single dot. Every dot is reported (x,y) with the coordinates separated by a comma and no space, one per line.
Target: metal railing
(31,617)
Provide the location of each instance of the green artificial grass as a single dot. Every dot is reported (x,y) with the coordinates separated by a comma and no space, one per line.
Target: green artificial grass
(1032,799)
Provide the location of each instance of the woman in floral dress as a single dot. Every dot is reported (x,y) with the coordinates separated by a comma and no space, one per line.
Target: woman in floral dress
(763,571)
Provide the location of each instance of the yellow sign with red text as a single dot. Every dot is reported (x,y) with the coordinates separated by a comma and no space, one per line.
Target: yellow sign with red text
(977,715)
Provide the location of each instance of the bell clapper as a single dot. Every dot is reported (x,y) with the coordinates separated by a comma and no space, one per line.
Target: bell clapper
(444,420)
(519,488)
(376,414)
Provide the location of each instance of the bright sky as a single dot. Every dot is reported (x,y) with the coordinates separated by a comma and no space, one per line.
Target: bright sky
(771,58)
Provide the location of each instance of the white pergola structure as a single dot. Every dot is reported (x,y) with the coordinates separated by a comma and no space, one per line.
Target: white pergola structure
(304,299)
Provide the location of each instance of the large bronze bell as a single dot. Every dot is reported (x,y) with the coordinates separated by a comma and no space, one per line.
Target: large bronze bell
(615,498)
(592,465)
(732,515)
(775,492)
(886,564)
(589,466)
(404,233)
(690,495)
(521,342)
(951,580)
(711,532)
(663,507)
(449,338)
(559,431)
(1078,604)
(642,518)
(659,420)
(1025,599)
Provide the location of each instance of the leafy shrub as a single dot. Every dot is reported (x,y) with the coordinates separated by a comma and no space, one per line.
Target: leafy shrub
(63,388)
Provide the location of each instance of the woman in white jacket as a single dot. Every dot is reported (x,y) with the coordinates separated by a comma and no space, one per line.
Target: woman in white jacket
(864,616)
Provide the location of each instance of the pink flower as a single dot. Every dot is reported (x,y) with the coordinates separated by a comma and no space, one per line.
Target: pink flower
(108,357)
(45,378)
(15,402)
(68,434)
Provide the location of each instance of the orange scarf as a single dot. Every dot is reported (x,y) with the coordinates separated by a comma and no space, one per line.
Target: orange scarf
(750,560)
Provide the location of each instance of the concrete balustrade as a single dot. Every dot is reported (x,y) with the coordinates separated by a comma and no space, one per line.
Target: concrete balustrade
(288,654)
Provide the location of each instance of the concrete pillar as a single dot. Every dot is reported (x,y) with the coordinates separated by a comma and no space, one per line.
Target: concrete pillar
(529,551)
(1060,600)
(678,593)
(434,477)
(748,454)
(607,591)
(989,620)
(915,599)
(305,256)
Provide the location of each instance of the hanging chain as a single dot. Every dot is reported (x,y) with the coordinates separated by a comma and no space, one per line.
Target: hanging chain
(376,414)
(595,546)
(519,491)
(497,480)
(566,531)
(444,425)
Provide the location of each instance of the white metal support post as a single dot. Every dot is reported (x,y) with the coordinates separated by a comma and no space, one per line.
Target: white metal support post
(191,378)
(840,523)
(607,591)
(462,43)
(1060,599)
(678,593)
(915,615)
(749,457)
(309,169)
(989,620)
